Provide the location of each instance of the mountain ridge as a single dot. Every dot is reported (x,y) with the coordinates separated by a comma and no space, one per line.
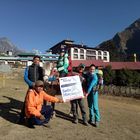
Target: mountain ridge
(124,44)
(7,45)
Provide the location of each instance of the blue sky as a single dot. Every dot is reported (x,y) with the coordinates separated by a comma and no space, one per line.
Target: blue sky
(40,24)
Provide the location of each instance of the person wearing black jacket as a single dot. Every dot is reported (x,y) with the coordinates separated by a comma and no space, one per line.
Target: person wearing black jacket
(32,74)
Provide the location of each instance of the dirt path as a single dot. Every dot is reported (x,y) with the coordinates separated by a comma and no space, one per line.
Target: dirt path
(120,119)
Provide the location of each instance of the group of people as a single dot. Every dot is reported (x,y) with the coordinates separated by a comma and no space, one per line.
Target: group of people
(90,80)
(35,111)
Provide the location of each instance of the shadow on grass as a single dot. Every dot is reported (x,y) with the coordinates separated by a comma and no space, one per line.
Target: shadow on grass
(65,116)
(10,110)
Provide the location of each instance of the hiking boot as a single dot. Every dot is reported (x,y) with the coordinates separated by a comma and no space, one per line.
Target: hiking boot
(96,124)
(75,121)
(48,125)
(85,123)
(91,123)
(71,114)
(30,124)
(53,115)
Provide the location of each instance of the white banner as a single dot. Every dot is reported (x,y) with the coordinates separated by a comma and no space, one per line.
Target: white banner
(71,88)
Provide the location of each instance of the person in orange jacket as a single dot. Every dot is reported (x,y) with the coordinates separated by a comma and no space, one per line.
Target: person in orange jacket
(36,112)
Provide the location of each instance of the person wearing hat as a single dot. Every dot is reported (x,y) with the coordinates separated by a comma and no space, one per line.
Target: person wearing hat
(63,63)
(32,73)
(36,112)
(79,102)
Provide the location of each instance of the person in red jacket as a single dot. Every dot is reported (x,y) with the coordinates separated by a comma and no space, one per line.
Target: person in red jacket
(36,112)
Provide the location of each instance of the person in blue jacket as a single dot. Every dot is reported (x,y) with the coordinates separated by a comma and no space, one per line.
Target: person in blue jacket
(32,74)
(92,96)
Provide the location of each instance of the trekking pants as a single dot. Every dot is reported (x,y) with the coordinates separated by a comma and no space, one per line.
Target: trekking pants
(46,111)
(75,104)
(94,113)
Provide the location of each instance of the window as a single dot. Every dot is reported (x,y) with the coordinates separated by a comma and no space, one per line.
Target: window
(105,58)
(88,52)
(105,53)
(81,51)
(81,56)
(99,58)
(99,53)
(92,52)
(75,56)
(75,50)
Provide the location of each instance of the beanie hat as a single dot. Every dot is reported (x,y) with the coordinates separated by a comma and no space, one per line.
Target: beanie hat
(39,83)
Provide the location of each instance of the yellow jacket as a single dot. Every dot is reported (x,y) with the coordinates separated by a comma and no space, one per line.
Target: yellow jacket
(34,102)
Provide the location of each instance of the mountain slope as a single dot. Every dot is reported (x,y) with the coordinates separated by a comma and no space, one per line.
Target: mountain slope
(124,44)
(7,45)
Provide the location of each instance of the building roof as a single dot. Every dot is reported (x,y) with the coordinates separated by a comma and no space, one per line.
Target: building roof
(124,65)
(26,54)
(70,43)
(27,58)
(114,65)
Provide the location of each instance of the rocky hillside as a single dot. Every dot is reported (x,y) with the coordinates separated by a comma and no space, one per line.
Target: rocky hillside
(124,44)
(7,45)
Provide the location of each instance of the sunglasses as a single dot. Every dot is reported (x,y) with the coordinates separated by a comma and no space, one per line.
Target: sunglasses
(40,86)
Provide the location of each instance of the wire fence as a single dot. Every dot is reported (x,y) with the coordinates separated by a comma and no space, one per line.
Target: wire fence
(121,91)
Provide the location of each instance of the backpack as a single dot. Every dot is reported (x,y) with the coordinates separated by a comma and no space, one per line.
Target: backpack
(99,85)
(100,80)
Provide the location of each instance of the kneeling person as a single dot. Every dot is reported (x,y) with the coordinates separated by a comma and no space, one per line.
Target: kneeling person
(36,112)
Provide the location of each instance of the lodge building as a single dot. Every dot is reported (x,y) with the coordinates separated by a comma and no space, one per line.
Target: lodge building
(81,52)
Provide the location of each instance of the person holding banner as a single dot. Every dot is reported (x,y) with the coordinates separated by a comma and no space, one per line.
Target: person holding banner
(92,96)
(80,102)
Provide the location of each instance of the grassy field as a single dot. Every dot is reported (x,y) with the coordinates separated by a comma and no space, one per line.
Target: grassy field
(120,117)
